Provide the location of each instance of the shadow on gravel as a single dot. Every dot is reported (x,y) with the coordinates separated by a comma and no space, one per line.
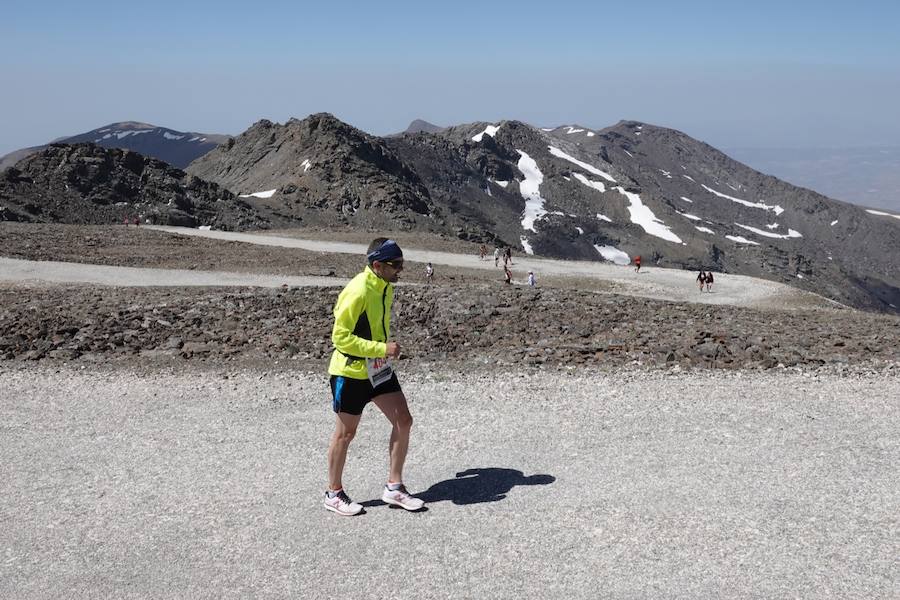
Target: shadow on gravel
(474,486)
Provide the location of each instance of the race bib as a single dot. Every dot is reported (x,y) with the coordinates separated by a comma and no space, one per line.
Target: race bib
(379,369)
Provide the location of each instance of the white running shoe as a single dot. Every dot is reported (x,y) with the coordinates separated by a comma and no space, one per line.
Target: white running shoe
(342,504)
(400,497)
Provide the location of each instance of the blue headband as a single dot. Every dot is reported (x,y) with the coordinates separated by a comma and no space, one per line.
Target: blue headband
(389,250)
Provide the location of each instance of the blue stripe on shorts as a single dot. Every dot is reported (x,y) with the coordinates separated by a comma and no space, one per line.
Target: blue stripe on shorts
(338,388)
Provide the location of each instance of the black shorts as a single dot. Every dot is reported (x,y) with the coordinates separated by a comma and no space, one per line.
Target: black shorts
(350,395)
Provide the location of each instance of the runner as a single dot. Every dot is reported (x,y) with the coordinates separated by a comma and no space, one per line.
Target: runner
(483,252)
(637,263)
(507,274)
(701,279)
(496,256)
(531,280)
(709,281)
(429,272)
(361,371)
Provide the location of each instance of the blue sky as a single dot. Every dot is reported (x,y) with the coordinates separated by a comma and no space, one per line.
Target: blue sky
(734,74)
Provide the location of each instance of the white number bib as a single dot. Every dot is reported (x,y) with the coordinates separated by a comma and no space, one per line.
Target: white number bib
(379,369)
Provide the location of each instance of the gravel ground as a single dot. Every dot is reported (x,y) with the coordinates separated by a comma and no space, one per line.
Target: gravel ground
(205,483)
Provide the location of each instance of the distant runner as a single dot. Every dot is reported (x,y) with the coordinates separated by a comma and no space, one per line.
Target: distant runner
(531,280)
(429,272)
(637,263)
(496,257)
(709,281)
(701,279)
(361,372)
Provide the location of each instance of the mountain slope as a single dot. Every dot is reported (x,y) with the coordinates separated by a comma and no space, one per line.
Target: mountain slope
(87,184)
(177,148)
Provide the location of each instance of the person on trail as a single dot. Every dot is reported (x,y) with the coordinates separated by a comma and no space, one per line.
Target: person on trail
(531,281)
(429,272)
(497,256)
(709,281)
(637,263)
(507,274)
(483,252)
(701,279)
(509,254)
(361,372)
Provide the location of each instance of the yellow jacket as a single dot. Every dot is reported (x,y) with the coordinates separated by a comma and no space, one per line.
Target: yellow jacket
(362,324)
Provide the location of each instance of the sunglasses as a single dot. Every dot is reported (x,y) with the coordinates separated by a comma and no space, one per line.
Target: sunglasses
(397,265)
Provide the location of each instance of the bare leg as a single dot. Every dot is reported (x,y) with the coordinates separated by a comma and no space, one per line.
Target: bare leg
(396,410)
(344,429)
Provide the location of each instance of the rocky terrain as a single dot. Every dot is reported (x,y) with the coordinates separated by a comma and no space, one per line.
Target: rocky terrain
(467,318)
(87,184)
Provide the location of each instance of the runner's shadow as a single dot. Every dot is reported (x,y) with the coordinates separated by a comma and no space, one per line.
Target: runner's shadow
(474,486)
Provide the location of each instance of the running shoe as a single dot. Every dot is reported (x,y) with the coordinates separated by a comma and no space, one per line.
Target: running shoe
(342,504)
(400,497)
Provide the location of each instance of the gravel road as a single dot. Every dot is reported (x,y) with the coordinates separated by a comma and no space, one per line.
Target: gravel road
(652,282)
(634,484)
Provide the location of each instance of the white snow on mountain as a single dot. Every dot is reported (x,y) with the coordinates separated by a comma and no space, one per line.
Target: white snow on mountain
(571,130)
(687,176)
(705,230)
(590,134)
(502,184)
(597,185)
(306,165)
(487,190)
(881,213)
(741,240)
(589,168)
(772,226)
(687,199)
(833,223)
(628,153)
(666,174)
(526,245)
(603,218)
(265,194)
(790,234)
(643,216)
(613,254)
(774,208)
(580,230)
(530,190)
(689,216)
(490,130)
(547,129)
(172,136)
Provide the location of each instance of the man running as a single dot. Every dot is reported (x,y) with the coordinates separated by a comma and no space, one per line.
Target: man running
(361,372)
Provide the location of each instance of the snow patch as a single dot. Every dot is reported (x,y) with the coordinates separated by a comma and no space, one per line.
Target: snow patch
(590,134)
(627,152)
(571,130)
(613,254)
(172,136)
(643,216)
(597,185)
(741,240)
(774,208)
(265,194)
(205,227)
(833,223)
(490,130)
(666,173)
(705,230)
(687,176)
(772,226)
(580,230)
(881,213)
(530,190)
(790,234)
(689,216)
(687,199)
(603,218)
(799,275)
(589,168)
(502,184)
(526,245)
(306,165)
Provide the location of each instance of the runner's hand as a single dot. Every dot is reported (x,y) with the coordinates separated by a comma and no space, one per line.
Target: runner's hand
(393,350)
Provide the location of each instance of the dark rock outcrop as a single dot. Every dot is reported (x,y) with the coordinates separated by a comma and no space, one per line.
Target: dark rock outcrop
(87,184)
